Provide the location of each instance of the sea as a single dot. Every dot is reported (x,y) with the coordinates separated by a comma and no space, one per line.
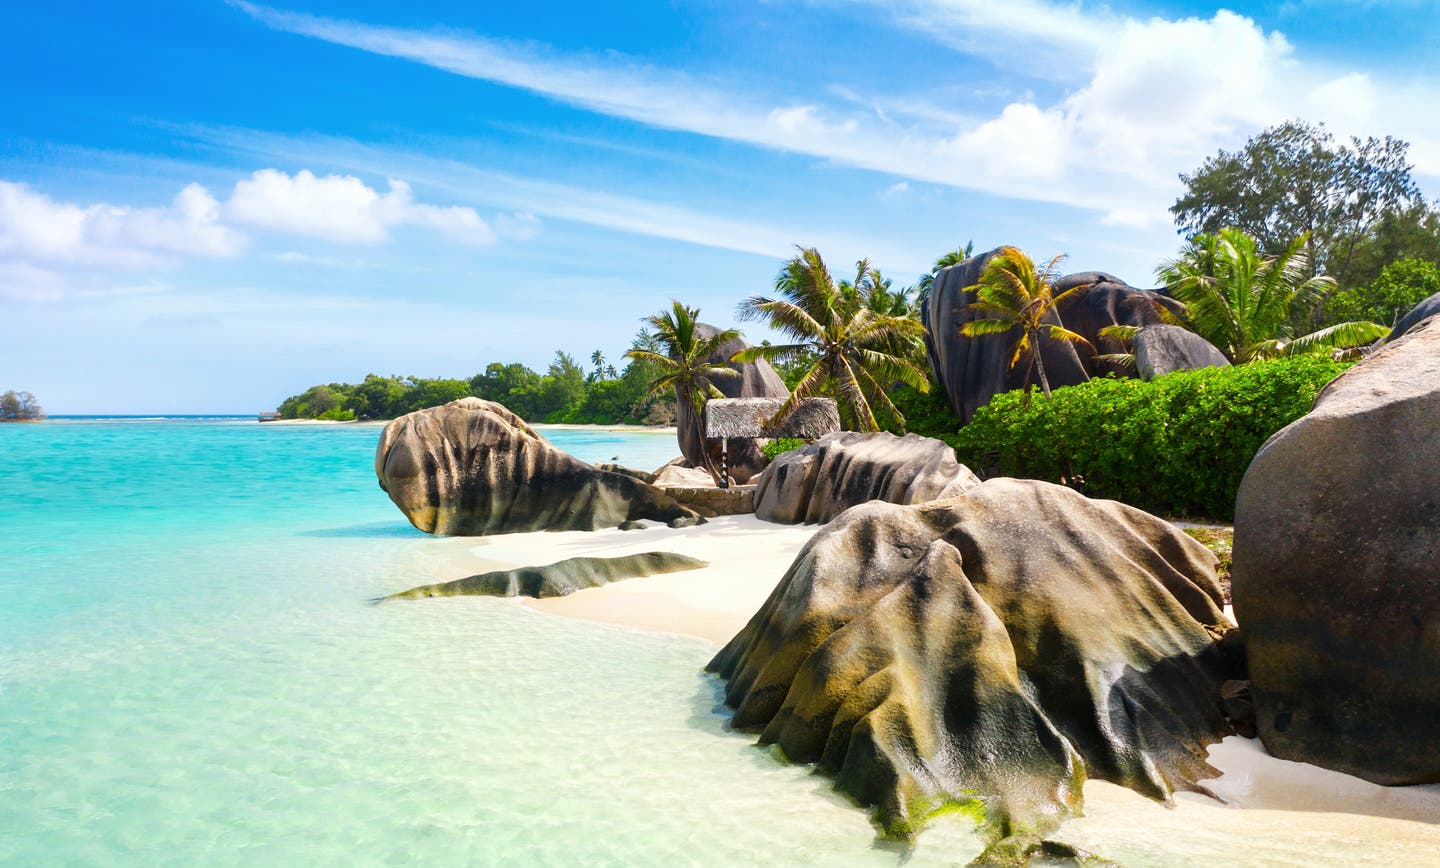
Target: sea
(192,672)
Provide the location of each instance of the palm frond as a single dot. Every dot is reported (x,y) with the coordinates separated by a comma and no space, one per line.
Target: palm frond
(1336,337)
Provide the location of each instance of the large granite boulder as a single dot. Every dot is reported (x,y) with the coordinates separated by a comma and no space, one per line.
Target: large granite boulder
(757,380)
(823,479)
(558,579)
(1418,314)
(1164,349)
(1336,574)
(989,652)
(472,467)
(974,370)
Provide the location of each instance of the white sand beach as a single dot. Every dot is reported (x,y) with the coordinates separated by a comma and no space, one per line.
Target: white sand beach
(1293,813)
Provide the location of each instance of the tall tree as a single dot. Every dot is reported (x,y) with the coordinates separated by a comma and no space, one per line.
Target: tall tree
(1018,300)
(851,345)
(678,361)
(1295,179)
(1252,305)
(953,257)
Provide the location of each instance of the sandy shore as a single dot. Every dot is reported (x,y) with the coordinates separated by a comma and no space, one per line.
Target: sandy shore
(1294,814)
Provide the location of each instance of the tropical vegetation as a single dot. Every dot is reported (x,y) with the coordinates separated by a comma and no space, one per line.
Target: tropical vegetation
(1176,445)
(682,366)
(1399,287)
(1017,300)
(564,392)
(19,407)
(854,344)
(1253,305)
(1355,202)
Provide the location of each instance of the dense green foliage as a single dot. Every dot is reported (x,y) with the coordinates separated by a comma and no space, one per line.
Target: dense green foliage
(861,336)
(564,393)
(1295,179)
(779,445)
(1177,445)
(1399,287)
(19,407)
(1254,305)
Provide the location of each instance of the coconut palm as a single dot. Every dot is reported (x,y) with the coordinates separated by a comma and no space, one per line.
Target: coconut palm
(1254,306)
(849,344)
(682,365)
(1018,300)
(954,257)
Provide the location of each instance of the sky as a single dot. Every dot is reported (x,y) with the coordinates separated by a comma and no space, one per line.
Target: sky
(207,206)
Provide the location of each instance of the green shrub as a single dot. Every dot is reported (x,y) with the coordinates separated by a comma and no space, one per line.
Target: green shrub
(779,445)
(1177,445)
(337,414)
(926,413)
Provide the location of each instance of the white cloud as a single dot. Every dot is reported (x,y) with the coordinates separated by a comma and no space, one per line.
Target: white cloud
(520,226)
(35,227)
(1147,99)
(344,209)
(21,281)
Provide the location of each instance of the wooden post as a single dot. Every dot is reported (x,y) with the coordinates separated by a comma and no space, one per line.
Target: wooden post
(724,459)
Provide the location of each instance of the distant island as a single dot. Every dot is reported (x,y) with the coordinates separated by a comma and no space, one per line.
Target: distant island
(20,407)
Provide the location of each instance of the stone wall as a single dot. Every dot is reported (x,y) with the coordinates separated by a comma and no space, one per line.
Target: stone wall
(710,502)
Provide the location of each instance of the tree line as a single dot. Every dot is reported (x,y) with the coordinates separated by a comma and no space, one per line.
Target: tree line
(565,392)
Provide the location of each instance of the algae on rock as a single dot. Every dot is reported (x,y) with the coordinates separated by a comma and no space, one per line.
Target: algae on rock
(993,650)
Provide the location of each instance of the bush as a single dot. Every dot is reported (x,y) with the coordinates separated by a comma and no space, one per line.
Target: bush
(926,413)
(337,414)
(779,445)
(1400,286)
(1177,445)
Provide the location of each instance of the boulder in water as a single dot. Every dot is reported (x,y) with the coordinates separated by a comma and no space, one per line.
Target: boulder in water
(472,467)
(990,651)
(1336,575)
(557,579)
(823,479)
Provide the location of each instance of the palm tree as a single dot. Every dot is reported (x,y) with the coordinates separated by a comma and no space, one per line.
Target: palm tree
(849,343)
(1017,299)
(954,257)
(682,366)
(1254,306)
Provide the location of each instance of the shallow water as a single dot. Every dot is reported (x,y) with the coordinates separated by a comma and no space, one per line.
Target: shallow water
(190,673)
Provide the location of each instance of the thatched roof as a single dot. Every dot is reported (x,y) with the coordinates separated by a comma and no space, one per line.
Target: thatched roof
(749,417)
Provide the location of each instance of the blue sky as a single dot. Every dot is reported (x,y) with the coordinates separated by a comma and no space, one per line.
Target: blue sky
(208,206)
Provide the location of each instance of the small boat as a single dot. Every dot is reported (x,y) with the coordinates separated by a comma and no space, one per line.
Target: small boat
(269,417)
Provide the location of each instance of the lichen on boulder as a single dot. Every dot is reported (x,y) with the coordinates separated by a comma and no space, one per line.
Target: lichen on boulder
(823,479)
(472,467)
(991,651)
(558,579)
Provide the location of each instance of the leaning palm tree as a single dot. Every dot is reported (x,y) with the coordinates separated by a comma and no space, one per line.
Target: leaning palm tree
(1254,306)
(683,366)
(1019,300)
(849,344)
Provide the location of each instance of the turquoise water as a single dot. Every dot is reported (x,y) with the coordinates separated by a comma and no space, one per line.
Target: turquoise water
(190,673)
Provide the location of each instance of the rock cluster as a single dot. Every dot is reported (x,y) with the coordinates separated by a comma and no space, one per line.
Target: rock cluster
(823,479)
(557,579)
(1336,575)
(992,651)
(472,467)
(974,370)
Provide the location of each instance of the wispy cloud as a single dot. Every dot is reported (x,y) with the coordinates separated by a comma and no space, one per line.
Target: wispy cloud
(1149,99)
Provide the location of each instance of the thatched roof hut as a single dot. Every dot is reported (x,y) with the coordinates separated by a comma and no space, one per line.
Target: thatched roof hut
(749,418)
